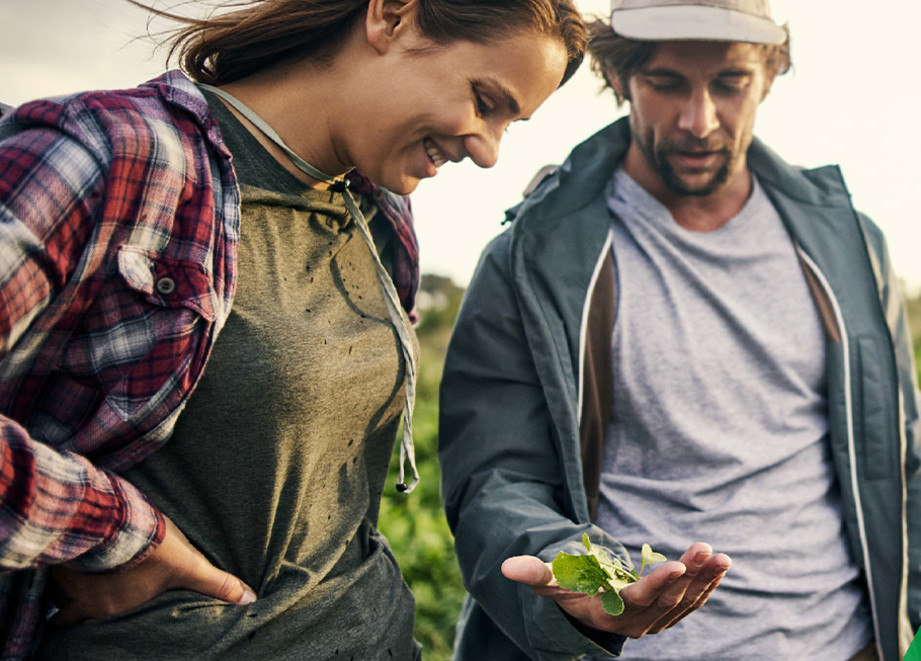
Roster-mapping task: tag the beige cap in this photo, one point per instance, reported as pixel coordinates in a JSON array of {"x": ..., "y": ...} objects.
[{"x": 711, "y": 20}]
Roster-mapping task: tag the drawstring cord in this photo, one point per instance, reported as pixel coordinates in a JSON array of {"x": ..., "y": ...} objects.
[{"x": 407, "y": 448}]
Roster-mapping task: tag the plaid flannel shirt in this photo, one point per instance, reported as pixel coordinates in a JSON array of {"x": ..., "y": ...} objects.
[{"x": 119, "y": 220}]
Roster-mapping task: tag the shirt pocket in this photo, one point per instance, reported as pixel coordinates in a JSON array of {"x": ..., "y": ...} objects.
[
  {"x": 167, "y": 282},
  {"x": 143, "y": 341}
]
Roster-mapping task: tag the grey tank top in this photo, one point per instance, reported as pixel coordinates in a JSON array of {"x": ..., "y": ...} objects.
[
  {"x": 277, "y": 465},
  {"x": 719, "y": 433}
]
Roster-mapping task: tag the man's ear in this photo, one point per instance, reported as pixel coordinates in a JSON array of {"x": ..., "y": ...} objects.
[
  {"x": 387, "y": 20},
  {"x": 623, "y": 91},
  {"x": 768, "y": 82}
]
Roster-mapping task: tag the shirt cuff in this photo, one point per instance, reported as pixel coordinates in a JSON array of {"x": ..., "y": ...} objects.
[
  {"x": 137, "y": 530},
  {"x": 554, "y": 635}
]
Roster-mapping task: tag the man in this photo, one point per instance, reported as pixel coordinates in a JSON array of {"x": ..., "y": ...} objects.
[{"x": 683, "y": 338}]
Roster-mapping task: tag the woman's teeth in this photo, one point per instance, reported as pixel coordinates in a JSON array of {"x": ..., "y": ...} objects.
[{"x": 435, "y": 154}]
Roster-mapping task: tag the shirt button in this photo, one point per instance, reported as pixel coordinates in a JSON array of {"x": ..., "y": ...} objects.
[{"x": 166, "y": 286}]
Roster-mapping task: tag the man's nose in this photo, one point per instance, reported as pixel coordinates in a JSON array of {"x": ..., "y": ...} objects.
[{"x": 698, "y": 116}]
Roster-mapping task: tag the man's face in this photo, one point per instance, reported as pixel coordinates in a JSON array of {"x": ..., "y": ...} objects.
[{"x": 693, "y": 111}]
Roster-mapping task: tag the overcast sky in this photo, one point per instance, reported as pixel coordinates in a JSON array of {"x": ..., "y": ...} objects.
[{"x": 852, "y": 99}]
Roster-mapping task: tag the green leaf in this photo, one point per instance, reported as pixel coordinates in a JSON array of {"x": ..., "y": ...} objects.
[
  {"x": 612, "y": 567},
  {"x": 612, "y": 603},
  {"x": 605, "y": 560},
  {"x": 598, "y": 574},
  {"x": 579, "y": 573},
  {"x": 650, "y": 557}
]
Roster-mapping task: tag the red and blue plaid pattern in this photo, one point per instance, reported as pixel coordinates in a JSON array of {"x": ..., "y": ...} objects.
[
  {"x": 119, "y": 217},
  {"x": 398, "y": 211}
]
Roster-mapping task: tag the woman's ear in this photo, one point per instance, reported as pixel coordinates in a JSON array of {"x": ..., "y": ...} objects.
[{"x": 387, "y": 20}]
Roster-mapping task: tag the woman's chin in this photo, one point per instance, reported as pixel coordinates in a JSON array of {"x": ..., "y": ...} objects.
[{"x": 404, "y": 186}]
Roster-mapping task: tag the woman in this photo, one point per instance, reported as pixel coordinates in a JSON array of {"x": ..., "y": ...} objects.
[{"x": 127, "y": 234}]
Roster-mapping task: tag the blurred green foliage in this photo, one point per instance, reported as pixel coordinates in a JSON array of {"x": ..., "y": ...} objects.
[
  {"x": 415, "y": 524},
  {"x": 914, "y": 322}
]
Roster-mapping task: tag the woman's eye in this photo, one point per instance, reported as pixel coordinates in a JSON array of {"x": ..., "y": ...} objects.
[{"x": 483, "y": 106}]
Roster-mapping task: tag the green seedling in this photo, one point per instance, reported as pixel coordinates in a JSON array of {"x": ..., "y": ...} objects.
[{"x": 597, "y": 574}]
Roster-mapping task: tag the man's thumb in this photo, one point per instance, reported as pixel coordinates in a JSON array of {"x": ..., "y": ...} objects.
[{"x": 529, "y": 570}]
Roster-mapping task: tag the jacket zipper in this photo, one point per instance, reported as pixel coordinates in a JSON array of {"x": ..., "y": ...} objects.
[
  {"x": 851, "y": 451},
  {"x": 583, "y": 325}
]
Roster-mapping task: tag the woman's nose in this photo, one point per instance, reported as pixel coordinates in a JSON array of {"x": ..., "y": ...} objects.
[{"x": 483, "y": 146}]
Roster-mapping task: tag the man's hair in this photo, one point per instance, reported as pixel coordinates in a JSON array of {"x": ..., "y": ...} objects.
[
  {"x": 226, "y": 46},
  {"x": 619, "y": 57}
]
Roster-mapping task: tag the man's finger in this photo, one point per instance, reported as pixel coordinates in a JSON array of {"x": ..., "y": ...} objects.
[
  {"x": 691, "y": 602},
  {"x": 529, "y": 570},
  {"x": 649, "y": 589}
]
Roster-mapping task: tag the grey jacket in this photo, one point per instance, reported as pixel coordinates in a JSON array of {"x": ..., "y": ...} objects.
[{"x": 526, "y": 396}]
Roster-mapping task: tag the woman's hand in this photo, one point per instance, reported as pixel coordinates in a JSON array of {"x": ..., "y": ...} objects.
[
  {"x": 655, "y": 602},
  {"x": 174, "y": 564}
]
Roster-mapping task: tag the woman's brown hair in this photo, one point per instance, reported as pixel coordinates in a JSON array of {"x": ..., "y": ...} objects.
[{"x": 254, "y": 34}]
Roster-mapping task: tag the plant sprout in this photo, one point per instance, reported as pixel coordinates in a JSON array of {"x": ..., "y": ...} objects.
[{"x": 596, "y": 573}]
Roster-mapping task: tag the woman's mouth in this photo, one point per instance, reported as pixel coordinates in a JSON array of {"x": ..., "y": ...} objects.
[{"x": 435, "y": 154}]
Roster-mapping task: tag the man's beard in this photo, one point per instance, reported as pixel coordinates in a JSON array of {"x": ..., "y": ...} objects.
[{"x": 658, "y": 159}]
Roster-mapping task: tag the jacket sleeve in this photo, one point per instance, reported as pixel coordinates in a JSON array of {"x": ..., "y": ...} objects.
[
  {"x": 897, "y": 319},
  {"x": 55, "y": 506},
  {"x": 502, "y": 483}
]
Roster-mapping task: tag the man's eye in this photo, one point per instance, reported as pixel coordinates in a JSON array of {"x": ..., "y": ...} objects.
[
  {"x": 731, "y": 86},
  {"x": 664, "y": 84}
]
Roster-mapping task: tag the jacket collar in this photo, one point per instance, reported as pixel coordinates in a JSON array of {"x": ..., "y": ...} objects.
[
  {"x": 588, "y": 169},
  {"x": 565, "y": 221}
]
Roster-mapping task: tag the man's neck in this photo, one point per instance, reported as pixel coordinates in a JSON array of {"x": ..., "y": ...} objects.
[
  {"x": 696, "y": 213},
  {"x": 710, "y": 212}
]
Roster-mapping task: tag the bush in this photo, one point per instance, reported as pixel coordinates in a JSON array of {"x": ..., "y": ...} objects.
[{"x": 415, "y": 524}]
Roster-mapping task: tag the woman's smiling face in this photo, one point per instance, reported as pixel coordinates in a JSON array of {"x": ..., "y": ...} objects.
[{"x": 440, "y": 103}]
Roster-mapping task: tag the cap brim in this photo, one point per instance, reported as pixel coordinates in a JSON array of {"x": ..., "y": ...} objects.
[{"x": 695, "y": 22}]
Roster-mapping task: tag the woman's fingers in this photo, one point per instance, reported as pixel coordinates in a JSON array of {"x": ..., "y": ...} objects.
[{"x": 175, "y": 564}]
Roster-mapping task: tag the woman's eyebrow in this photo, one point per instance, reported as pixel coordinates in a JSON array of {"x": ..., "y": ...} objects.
[
  {"x": 505, "y": 94},
  {"x": 510, "y": 100}
]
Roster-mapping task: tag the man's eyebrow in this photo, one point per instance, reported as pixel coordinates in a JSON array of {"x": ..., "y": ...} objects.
[
  {"x": 662, "y": 72},
  {"x": 737, "y": 72}
]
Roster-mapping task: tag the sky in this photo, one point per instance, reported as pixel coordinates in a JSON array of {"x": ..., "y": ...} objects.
[{"x": 852, "y": 99}]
